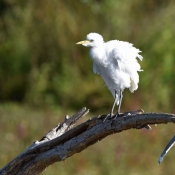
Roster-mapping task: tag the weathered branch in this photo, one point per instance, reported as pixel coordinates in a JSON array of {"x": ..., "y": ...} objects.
[{"x": 62, "y": 141}]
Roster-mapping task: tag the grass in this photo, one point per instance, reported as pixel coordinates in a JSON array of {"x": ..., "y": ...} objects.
[{"x": 131, "y": 152}]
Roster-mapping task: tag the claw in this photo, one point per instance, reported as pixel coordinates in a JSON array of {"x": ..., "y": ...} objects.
[
  {"x": 116, "y": 116},
  {"x": 109, "y": 115},
  {"x": 105, "y": 118}
]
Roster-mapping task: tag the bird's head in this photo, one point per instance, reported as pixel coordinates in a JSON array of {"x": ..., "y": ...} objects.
[{"x": 92, "y": 40}]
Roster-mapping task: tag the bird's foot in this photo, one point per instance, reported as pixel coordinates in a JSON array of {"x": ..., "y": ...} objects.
[
  {"x": 116, "y": 115},
  {"x": 108, "y": 115},
  {"x": 111, "y": 114}
]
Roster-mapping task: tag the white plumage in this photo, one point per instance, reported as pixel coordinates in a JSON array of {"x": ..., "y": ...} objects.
[{"x": 116, "y": 62}]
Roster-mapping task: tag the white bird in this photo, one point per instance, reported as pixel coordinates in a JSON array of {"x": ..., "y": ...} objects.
[{"x": 116, "y": 62}]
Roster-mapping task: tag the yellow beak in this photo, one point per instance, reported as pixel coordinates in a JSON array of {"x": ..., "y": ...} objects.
[{"x": 83, "y": 42}]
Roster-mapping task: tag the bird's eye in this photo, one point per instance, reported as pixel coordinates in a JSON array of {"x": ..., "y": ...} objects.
[{"x": 91, "y": 40}]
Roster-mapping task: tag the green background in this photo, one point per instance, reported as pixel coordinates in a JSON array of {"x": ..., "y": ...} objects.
[{"x": 44, "y": 75}]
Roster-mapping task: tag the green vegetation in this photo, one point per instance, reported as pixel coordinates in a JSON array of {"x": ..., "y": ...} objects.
[{"x": 43, "y": 75}]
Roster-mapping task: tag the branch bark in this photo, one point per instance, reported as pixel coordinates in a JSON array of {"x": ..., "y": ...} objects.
[{"x": 64, "y": 141}]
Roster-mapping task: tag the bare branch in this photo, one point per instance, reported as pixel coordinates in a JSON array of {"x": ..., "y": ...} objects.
[
  {"x": 62, "y": 141},
  {"x": 65, "y": 126}
]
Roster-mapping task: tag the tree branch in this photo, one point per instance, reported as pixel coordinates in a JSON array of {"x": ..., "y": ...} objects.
[{"x": 64, "y": 141}]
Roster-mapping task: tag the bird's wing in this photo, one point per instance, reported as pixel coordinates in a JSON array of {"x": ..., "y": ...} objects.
[
  {"x": 117, "y": 58},
  {"x": 96, "y": 69},
  {"x": 125, "y": 55}
]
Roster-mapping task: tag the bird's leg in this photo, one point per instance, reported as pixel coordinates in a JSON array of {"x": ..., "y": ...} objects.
[
  {"x": 120, "y": 101},
  {"x": 111, "y": 113},
  {"x": 115, "y": 100}
]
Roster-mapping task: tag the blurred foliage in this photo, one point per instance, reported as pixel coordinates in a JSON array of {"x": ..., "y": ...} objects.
[{"x": 41, "y": 67}]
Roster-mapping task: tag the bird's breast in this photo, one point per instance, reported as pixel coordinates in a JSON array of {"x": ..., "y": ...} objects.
[{"x": 98, "y": 55}]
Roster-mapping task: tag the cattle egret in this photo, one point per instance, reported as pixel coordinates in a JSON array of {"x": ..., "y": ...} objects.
[{"x": 116, "y": 62}]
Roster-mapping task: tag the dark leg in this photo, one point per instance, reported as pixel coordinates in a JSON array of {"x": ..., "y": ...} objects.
[
  {"x": 115, "y": 100},
  {"x": 120, "y": 101}
]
